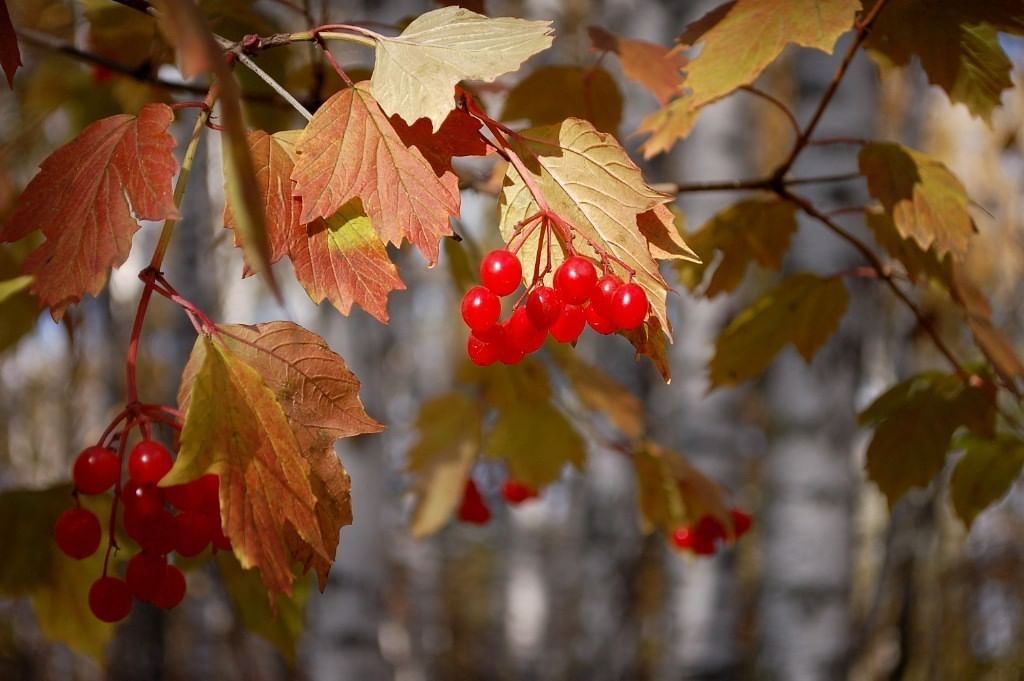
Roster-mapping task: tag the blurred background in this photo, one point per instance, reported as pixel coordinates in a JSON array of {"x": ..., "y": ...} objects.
[{"x": 830, "y": 584}]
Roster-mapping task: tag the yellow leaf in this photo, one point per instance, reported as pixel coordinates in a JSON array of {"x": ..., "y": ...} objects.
[
  {"x": 553, "y": 93},
  {"x": 919, "y": 263},
  {"x": 536, "y": 442},
  {"x": 667, "y": 125}
]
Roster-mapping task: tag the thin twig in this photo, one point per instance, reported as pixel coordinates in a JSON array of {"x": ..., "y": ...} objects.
[
  {"x": 265, "y": 77},
  {"x": 779, "y": 104}
]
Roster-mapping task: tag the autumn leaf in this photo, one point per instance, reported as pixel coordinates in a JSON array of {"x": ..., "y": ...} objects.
[
  {"x": 914, "y": 422},
  {"x": 651, "y": 341},
  {"x": 957, "y": 44},
  {"x": 671, "y": 493},
  {"x": 86, "y": 200},
  {"x": 663, "y": 226},
  {"x": 350, "y": 150},
  {"x": 919, "y": 263},
  {"x": 441, "y": 460},
  {"x": 551, "y": 94},
  {"x": 598, "y": 392},
  {"x": 804, "y": 310},
  {"x": 535, "y": 441},
  {"x": 993, "y": 342},
  {"x": 753, "y": 230},
  {"x": 587, "y": 178},
  {"x": 657, "y": 68},
  {"x": 926, "y": 201},
  {"x": 17, "y": 307},
  {"x": 985, "y": 473},
  {"x": 739, "y": 39},
  {"x": 459, "y": 135},
  {"x": 666, "y": 126},
  {"x": 416, "y": 72},
  {"x": 10, "y": 56}
]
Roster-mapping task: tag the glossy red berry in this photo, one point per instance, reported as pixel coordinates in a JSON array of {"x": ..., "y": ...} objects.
[
  {"x": 575, "y": 279},
  {"x": 148, "y": 462},
  {"x": 201, "y": 494},
  {"x": 682, "y": 538},
  {"x": 741, "y": 521},
  {"x": 473, "y": 508},
  {"x": 171, "y": 590},
  {"x": 601, "y": 298},
  {"x": 501, "y": 272},
  {"x": 515, "y": 492},
  {"x": 629, "y": 306},
  {"x": 110, "y": 599},
  {"x": 521, "y": 334},
  {"x": 144, "y": 574},
  {"x": 154, "y": 532},
  {"x": 597, "y": 322},
  {"x": 543, "y": 307},
  {"x": 480, "y": 352},
  {"x": 95, "y": 470},
  {"x": 509, "y": 354},
  {"x": 77, "y": 533},
  {"x": 570, "y": 324},
  {"x": 142, "y": 500},
  {"x": 708, "y": 531},
  {"x": 193, "y": 531},
  {"x": 480, "y": 308}
]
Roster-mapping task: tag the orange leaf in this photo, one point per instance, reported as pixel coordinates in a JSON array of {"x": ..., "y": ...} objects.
[
  {"x": 459, "y": 135},
  {"x": 657, "y": 68},
  {"x": 86, "y": 199},
  {"x": 10, "y": 57},
  {"x": 350, "y": 150}
]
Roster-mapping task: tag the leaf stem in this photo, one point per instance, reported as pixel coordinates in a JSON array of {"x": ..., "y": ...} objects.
[{"x": 778, "y": 103}]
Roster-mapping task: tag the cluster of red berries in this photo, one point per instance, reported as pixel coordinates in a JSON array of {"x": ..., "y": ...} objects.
[
  {"x": 578, "y": 298},
  {"x": 474, "y": 510},
  {"x": 704, "y": 537},
  {"x": 147, "y": 520}
]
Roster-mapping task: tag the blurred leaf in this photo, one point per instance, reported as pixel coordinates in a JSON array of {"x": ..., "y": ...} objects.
[
  {"x": 672, "y": 493},
  {"x": 18, "y": 309},
  {"x": 55, "y": 17},
  {"x": 667, "y": 125},
  {"x": 281, "y": 624},
  {"x": 12, "y": 287},
  {"x": 926, "y": 201},
  {"x": 535, "y": 441},
  {"x": 985, "y": 473},
  {"x": 27, "y": 518},
  {"x": 124, "y": 35},
  {"x": 449, "y": 428},
  {"x": 652, "y": 342},
  {"x": 804, "y": 310},
  {"x": 752, "y": 230},
  {"x": 914, "y": 422},
  {"x": 956, "y": 43},
  {"x": 551, "y": 94},
  {"x": 597, "y": 391},
  {"x": 503, "y": 386},
  {"x": 920, "y": 264},
  {"x": 657, "y": 68},
  {"x": 10, "y": 56},
  {"x": 993, "y": 342},
  {"x": 464, "y": 271}
]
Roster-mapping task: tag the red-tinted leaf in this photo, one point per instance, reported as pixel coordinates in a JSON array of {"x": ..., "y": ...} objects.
[
  {"x": 350, "y": 150},
  {"x": 657, "y": 68},
  {"x": 459, "y": 135},
  {"x": 86, "y": 199},
  {"x": 10, "y": 57}
]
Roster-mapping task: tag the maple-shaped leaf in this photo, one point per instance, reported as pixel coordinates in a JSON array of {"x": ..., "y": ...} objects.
[
  {"x": 587, "y": 178},
  {"x": 753, "y": 230},
  {"x": 926, "y": 201},
  {"x": 957, "y": 44},
  {"x": 667, "y": 125},
  {"x": 985, "y": 473},
  {"x": 10, "y": 56},
  {"x": 416, "y": 72},
  {"x": 599, "y": 392},
  {"x": 657, "y": 68},
  {"x": 440, "y": 461},
  {"x": 739, "y": 39},
  {"x": 914, "y": 422},
  {"x": 919, "y": 263},
  {"x": 993, "y": 342},
  {"x": 350, "y": 150},
  {"x": 804, "y": 310},
  {"x": 459, "y": 135},
  {"x": 671, "y": 493},
  {"x": 535, "y": 441},
  {"x": 86, "y": 201},
  {"x": 551, "y": 94}
]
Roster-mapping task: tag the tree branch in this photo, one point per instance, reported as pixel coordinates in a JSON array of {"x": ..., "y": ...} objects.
[{"x": 777, "y": 103}]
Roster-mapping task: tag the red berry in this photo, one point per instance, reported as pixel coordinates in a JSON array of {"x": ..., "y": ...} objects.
[
  {"x": 77, "y": 533},
  {"x": 521, "y": 334},
  {"x": 144, "y": 574},
  {"x": 544, "y": 307},
  {"x": 201, "y": 494},
  {"x": 741, "y": 521},
  {"x": 629, "y": 306},
  {"x": 149, "y": 462},
  {"x": 501, "y": 272},
  {"x": 480, "y": 352},
  {"x": 110, "y": 599},
  {"x": 473, "y": 509},
  {"x": 599, "y": 323},
  {"x": 683, "y": 538},
  {"x": 221, "y": 542},
  {"x": 154, "y": 533},
  {"x": 171, "y": 590},
  {"x": 702, "y": 546},
  {"x": 575, "y": 279},
  {"x": 570, "y": 324},
  {"x": 516, "y": 492},
  {"x": 193, "y": 531},
  {"x": 708, "y": 530},
  {"x": 601, "y": 298},
  {"x": 95, "y": 470},
  {"x": 494, "y": 335},
  {"x": 509, "y": 354},
  {"x": 480, "y": 308},
  {"x": 142, "y": 500}
]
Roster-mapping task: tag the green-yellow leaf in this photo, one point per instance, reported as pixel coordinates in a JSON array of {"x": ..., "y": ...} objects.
[
  {"x": 993, "y": 342},
  {"x": 804, "y": 310},
  {"x": 536, "y": 442},
  {"x": 553, "y": 93},
  {"x": 985, "y": 473},
  {"x": 919, "y": 263},
  {"x": 926, "y": 201},
  {"x": 667, "y": 125},
  {"x": 671, "y": 493},
  {"x": 416, "y": 72}
]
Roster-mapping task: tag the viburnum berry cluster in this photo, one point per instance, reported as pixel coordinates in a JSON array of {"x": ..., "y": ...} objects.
[
  {"x": 708, "y": 534},
  {"x": 473, "y": 508},
  {"x": 577, "y": 298},
  {"x": 181, "y": 519}
]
